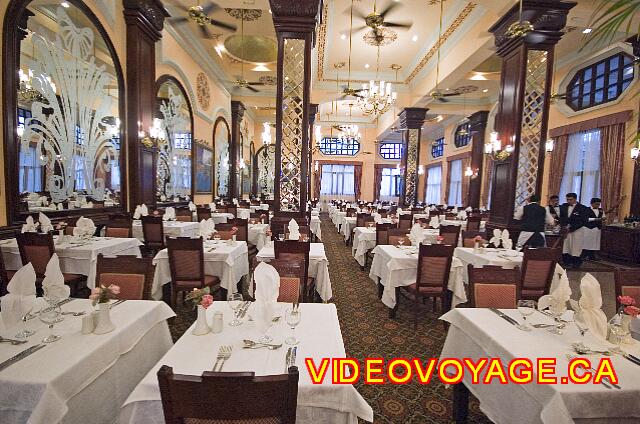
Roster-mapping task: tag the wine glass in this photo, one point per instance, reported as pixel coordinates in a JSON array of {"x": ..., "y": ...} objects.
[
  {"x": 293, "y": 317},
  {"x": 25, "y": 331},
  {"x": 235, "y": 300},
  {"x": 50, "y": 315},
  {"x": 581, "y": 325},
  {"x": 557, "y": 309},
  {"x": 526, "y": 308},
  {"x": 281, "y": 237},
  {"x": 400, "y": 242}
]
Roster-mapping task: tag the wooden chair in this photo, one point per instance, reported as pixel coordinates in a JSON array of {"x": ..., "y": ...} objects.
[
  {"x": 361, "y": 219},
  {"x": 538, "y": 267},
  {"x": 203, "y": 213},
  {"x": 394, "y": 236},
  {"x": 451, "y": 234},
  {"x": 297, "y": 251},
  {"x": 627, "y": 284},
  {"x": 5, "y": 276},
  {"x": 405, "y": 221},
  {"x": 473, "y": 223},
  {"x": 119, "y": 225},
  {"x": 133, "y": 275},
  {"x": 291, "y": 271},
  {"x": 186, "y": 261},
  {"x": 240, "y": 397},
  {"x": 220, "y": 208},
  {"x": 258, "y": 216},
  {"x": 468, "y": 237},
  {"x": 351, "y": 212},
  {"x": 233, "y": 209},
  {"x": 153, "y": 232},
  {"x": 493, "y": 287},
  {"x": 434, "y": 266},
  {"x": 184, "y": 215},
  {"x": 38, "y": 249},
  {"x": 224, "y": 230}
]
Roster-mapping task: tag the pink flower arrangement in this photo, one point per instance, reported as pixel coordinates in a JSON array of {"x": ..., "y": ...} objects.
[
  {"x": 633, "y": 311},
  {"x": 477, "y": 239},
  {"x": 200, "y": 297},
  {"x": 207, "y": 300},
  {"x": 103, "y": 294},
  {"x": 440, "y": 239},
  {"x": 234, "y": 231},
  {"x": 626, "y": 300}
]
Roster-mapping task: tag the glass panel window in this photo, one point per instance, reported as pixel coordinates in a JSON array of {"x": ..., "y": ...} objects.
[
  {"x": 434, "y": 184},
  {"x": 582, "y": 167},
  {"x": 463, "y": 135},
  {"x": 390, "y": 183},
  {"x": 391, "y": 151},
  {"x": 30, "y": 171},
  {"x": 588, "y": 87},
  {"x": 437, "y": 148},
  {"x": 337, "y": 180},
  {"x": 455, "y": 183},
  {"x": 335, "y": 146}
]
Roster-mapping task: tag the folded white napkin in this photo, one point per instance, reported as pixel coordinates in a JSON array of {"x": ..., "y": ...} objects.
[
  {"x": 176, "y": 198},
  {"x": 53, "y": 283},
  {"x": 399, "y": 211},
  {"x": 433, "y": 208},
  {"x": 141, "y": 210},
  {"x": 60, "y": 206},
  {"x": 455, "y": 209},
  {"x": 462, "y": 215},
  {"x": 496, "y": 240},
  {"x": 559, "y": 294},
  {"x": 45, "y": 223},
  {"x": 33, "y": 196},
  {"x": 89, "y": 205},
  {"x": 192, "y": 207},
  {"x": 235, "y": 201},
  {"x": 434, "y": 222},
  {"x": 169, "y": 214},
  {"x": 294, "y": 230},
  {"x": 589, "y": 308},
  {"x": 30, "y": 226},
  {"x": 21, "y": 297},
  {"x": 469, "y": 209},
  {"x": 416, "y": 235},
  {"x": 377, "y": 218},
  {"x": 84, "y": 227},
  {"x": 43, "y": 200},
  {"x": 267, "y": 282},
  {"x": 507, "y": 243},
  {"x": 206, "y": 228}
]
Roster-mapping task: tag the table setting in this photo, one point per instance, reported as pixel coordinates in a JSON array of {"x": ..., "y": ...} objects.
[
  {"x": 258, "y": 235},
  {"x": 315, "y": 227},
  {"x": 171, "y": 229}
]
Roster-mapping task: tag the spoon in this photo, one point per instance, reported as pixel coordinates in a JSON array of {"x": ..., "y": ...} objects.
[
  {"x": 12, "y": 341},
  {"x": 270, "y": 347},
  {"x": 558, "y": 326},
  {"x": 75, "y": 314},
  {"x": 250, "y": 344},
  {"x": 584, "y": 350}
]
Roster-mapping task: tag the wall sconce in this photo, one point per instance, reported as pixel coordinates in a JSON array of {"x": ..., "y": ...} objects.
[
  {"x": 635, "y": 153},
  {"x": 266, "y": 134},
  {"x": 494, "y": 147},
  {"x": 549, "y": 145},
  {"x": 316, "y": 167},
  {"x": 155, "y": 136},
  {"x": 20, "y": 132},
  {"x": 471, "y": 173},
  {"x": 420, "y": 170}
]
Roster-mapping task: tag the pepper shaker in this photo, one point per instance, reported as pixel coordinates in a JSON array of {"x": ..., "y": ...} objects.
[{"x": 217, "y": 325}]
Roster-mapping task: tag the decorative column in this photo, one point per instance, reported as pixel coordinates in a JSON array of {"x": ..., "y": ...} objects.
[
  {"x": 237, "y": 113},
  {"x": 313, "y": 111},
  {"x": 523, "y": 108},
  {"x": 144, "y": 20},
  {"x": 635, "y": 186},
  {"x": 295, "y": 22},
  {"x": 478, "y": 126},
  {"x": 411, "y": 119}
]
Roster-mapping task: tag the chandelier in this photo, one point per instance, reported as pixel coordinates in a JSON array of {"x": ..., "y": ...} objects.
[
  {"x": 377, "y": 97},
  {"x": 348, "y": 133},
  {"x": 494, "y": 147},
  {"x": 26, "y": 90}
]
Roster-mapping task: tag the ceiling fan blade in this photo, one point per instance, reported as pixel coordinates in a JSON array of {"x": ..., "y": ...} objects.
[
  {"x": 443, "y": 100},
  {"x": 255, "y": 90},
  {"x": 210, "y": 7},
  {"x": 256, "y": 83},
  {"x": 388, "y": 9},
  {"x": 221, "y": 24},
  {"x": 360, "y": 28},
  {"x": 204, "y": 31},
  {"x": 356, "y": 13},
  {"x": 398, "y": 25},
  {"x": 178, "y": 20}
]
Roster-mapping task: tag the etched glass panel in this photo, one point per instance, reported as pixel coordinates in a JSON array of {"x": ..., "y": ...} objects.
[
  {"x": 221, "y": 141},
  {"x": 266, "y": 158},
  {"x": 292, "y": 124},
  {"x": 68, "y": 113}
]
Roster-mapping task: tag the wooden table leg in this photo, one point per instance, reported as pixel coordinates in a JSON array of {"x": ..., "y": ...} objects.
[{"x": 460, "y": 403}]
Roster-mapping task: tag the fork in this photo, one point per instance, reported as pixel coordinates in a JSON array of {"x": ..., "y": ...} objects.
[
  {"x": 608, "y": 384},
  {"x": 225, "y": 351}
]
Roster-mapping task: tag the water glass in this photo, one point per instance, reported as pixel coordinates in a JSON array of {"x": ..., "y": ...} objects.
[
  {"x": 50, "y": 315},
  {"x": 25, "y": 331},
  {"x": 293, "y": 317},
  {"x": 526, "y": 308},
  {"x": 235, "y": 300}
]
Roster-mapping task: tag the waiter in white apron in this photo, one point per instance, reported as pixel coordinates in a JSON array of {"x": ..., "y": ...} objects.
[
  {"x": 593, "y": 230},
  {"x": 573, "y": 216},
  {"x": 533, "y": 218}
]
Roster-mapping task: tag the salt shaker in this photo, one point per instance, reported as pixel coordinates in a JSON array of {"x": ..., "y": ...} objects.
[
  {"x": 88, "y": 324},
  {"x": 216, "y": 326}
]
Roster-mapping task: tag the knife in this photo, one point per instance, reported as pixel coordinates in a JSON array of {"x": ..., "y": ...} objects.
[
  {"x": 20, "y": 356},
  {"x": 504, "y": 316},
  {"x": 116, "y": 303},
  {"x": 631, "y": 358},
  {"x": 287, "y": 360}
]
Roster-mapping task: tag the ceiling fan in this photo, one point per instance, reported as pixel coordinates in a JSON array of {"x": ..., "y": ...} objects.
[
  {"x": 200, "y": 15},
  {"x": 346, "y": 90},
  {"x": 240, "y": 82},
  {"x": 377, "y": 19}
]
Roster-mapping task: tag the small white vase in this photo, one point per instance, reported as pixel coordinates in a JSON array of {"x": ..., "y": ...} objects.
[
  {"x": 476, "y": 247},
  {"x": 104, "y": 324},
  {"x": 202, "y": 327}
]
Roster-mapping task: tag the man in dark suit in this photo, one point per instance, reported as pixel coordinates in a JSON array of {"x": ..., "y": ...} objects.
[
  {"x": 573, "y": 216},
  {"x": 593, "y": 230},
  {"x": 533, "y": 218}
]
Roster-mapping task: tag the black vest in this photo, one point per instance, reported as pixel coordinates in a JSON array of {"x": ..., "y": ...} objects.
[{"x": 533, "y": 218}]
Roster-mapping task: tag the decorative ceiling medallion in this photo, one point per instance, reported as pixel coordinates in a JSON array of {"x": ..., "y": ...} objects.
[
  {"x": 252, "y": 48},
  {"x": 246, "y": 15},
  {"x": 380, "y": 37},
  {"x": 464, "y": 89},
  {"x": 268, "y": 80},
  {"x": 202, "y": 91}
]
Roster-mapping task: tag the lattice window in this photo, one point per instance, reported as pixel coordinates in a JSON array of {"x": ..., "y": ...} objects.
[
  {"x": 391, "y": 151},
  {"x": 462, "y": 135},
  {"x": 339, "y": 147},
  {"x": 437, "y": 148}
]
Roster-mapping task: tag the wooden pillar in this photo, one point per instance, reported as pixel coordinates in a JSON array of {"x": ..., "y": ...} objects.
[
  {"x": 313, "y": 111},
  {"x": 477, "y": 128},
  {"x": 144, "y": 22},
  {"x": 237, "y": 113},
  {"x": 411, "y": 119},
  {"x": 295, "y": 23},
  {"x": 523, "y": 107},
  {"x": 635, "y": 186}
]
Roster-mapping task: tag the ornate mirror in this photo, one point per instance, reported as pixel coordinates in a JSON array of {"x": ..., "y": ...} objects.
[
  {"x": 264, "y": 167},
  {"x": 62, "y": 112},
  {"x": 221, "y": 138},
  {"x": 174, "y": 166}
]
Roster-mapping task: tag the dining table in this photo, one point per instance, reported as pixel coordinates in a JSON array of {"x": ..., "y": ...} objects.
[
  {"x": 315, "y": 227},
  {"x": 318, "y": 267},
  {"x": 319, "y": 337},
  {"x": 364, "y": 239},
  {"x": 81, "y": 378},
  {"x": 461, "y": 223},
  {"x": 225, "y": 259},
  {"x": 347, "y": 224},
  {"x": 77, "y": 255},
  {"x": 394, "y": 266},
  {"x": 171, "y": 229},
  {"x": 258, "y": 235},
  {"x": 476, "y": 333},
  {"x": 257, "y": 208}
]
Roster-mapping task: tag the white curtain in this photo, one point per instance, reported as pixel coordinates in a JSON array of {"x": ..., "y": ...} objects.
[
  {"x": 390, "y": 184},
  {"x": 455, "y": 183},
  {"x": 337, "y": 180},
  {"x": 582, "y": 166},
  {"x": 434, "y": 184},
  {"x": 30, "y": 172}
]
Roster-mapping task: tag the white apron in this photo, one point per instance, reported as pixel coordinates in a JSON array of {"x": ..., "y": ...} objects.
[
  {"x": 573, "y": 244},
  {"x": 591, "y": 239}
]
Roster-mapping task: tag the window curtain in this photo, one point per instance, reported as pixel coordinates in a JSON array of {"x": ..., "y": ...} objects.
[
  {"x": 582, "y": 166},
  {"x": 377, "y": 183},
  {"x": 316, "y": 183},
  {"x": 337, "y": 180},
  {"x": 612, "y": 143},
  {"x": 466, "y": 162},
  {"x": 558, "y": 158},
  {"x": 454, "y": 183},
  {"x": 486, "y": 184},
  {"x": 357, "y": 178},
  {"x": 434, "y": 185}
]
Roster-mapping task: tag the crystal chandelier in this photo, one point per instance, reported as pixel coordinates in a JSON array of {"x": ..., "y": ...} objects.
[
  {"x": 26, "y": 90},
  {"x": 377, "y": 97},
  {"x": 349, "y": 133}
]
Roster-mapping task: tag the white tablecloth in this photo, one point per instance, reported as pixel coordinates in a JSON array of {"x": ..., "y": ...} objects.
[
  {"x": 315, "y": 227},
  {"x": 229, "y": 263},
  {"x": 221, "y": 218},
  {"x": 77, "y": 258},
  {"x": 83, "y": 378},
  {"x": 171, "y": 229},
  {"x": 461, "y": 224},
  {"x": 347, "y": 225},
  {"x": 364, "y": 239},
  {"x": 262, "y": 207},
  {"x": 397, "y": 267},
  {"x": 336, "y": 218},
  {"x": 257, "y": 235},
  {"x": 320, "y": 337},
  {"x": 479, "y": 333},
  {"x": 318, "y": 267}
]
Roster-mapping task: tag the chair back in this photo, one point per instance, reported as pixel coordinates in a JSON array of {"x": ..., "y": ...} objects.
[
  {"x": 243, "y": 228},
  {"x": 289, "y": 250},
  {"x": 241, "y": 397},
  {"x": 186, "y": 259},
  {"x": 627, "y": 284},
  {"x": 291, "y": 271},
  {"x": 451, "y": 234},
  {"x": 405, "y": 221},
  {"x": 224, "y": 230},
  {"x": 36, "y": 248},
  {"x": 258, "y": 215},
  {"x": 382, "y": 233},
  {"x": 153, "y": 230},
  {"x": 473, "y": 223},
  {"x": 434, "y": 265},
  {"x": 361, "y": 219},
  {"x": 351, "y": 212},
  {"x": 133, "y": 275},
  {"x": 184, "y": 215},
  {"x": 396, "y": 234},
  {"x": 221, "y": 208},
  {"x": 538, "y": 266},
  {"x": 493, "y": 287},
  {"x": 468, "y": 237},
  {"x": 232, "y": 209},
  {"x": 117, "y": 232},
  {"x": 203, "y": 213},
  {"x": 4, "y": 277}
]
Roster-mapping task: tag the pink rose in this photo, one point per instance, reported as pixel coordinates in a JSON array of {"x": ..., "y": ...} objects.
[
  {"x": 114, "y": 289},
  {"x": 94, "y": 296},
  {"x": 207, "y": 300},
  {"x": 634, "y": 311},
  {"x": 626, "y": 300}
]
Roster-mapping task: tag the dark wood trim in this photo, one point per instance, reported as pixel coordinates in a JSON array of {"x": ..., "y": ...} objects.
[
  {"x": 339, "y": 162},
  {"x": 477, "y": 128},
  {"x": 170, "y": 78},
  {"x": 16, "y": 17},
  {"x": 411, "y": 118},
  {"x": 235, "y": 146},
  {"x": 219, "y": 120},
  {"x": 458, "y": 156}
]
